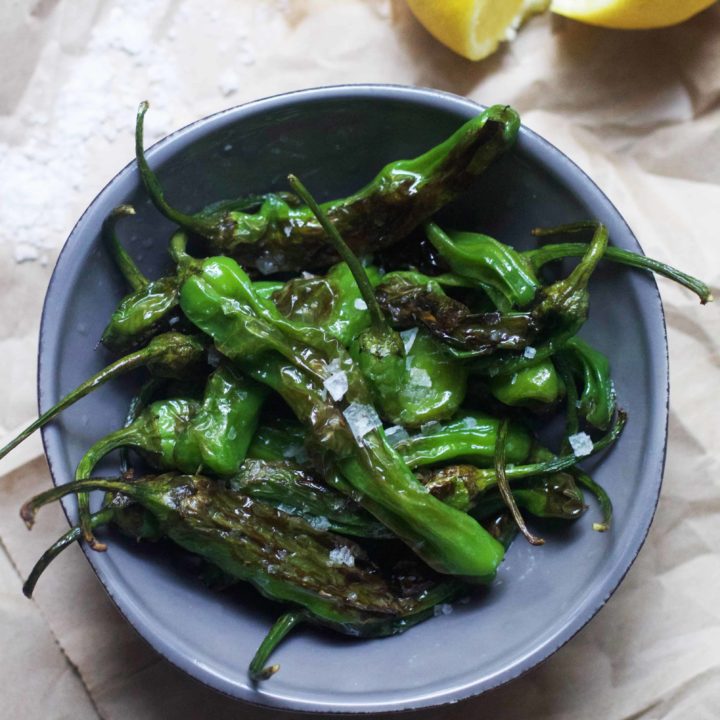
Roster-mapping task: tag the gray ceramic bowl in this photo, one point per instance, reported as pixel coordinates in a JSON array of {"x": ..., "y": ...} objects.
[{"x": 336, "y": 139}]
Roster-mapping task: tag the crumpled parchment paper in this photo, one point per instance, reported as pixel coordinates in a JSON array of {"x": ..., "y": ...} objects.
[{"x": 638, "y": 111}]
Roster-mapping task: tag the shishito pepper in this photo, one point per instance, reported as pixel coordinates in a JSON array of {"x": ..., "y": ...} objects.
[
  {"x": 498, "y": 268},
  {"x": 462, "y": 485},
  {"x": 179, "y": 434},
  {"x": 469, "y": 437},
  {"x": 559, "y": 311},
  {"x": 404, "y": 194},
  {"x": 329, "y": 577},
  {"x": 295, "y": 360}
]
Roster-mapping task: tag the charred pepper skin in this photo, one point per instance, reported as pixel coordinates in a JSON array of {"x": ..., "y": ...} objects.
[
  {"x": 403, "y": 195},
  {"x": 412, "y": 299}
]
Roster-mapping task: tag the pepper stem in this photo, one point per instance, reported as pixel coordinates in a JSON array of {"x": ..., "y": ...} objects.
[
  {"x": 580, "y": 275},
  {"x": 504, "y": 485},
  {"x": 152, "y": 184},
  {"x": 99, "y": 518},
  {"x": 127, "y": 266},
  {"x": 30, "y": 508},
  {"x": 258, "y": 670},
  {"x": 347, "y": 255},
  {"x": 600, "y": 494},
  {"x": 120, "y": 438},
  {"x": 547, "y": 253},
  {"x": 123, "y": 365}
]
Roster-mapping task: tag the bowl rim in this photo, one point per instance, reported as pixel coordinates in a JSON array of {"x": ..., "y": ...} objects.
[{"x": 558, "y": 165}]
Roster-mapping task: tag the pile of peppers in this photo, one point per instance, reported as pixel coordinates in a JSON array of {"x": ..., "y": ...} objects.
[{"x": 343, "y": 400}]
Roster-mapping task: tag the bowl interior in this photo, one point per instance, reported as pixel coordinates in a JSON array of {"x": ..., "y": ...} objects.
[{"x": 336, "y": 139}]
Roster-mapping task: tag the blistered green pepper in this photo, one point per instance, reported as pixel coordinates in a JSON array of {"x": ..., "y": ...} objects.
[
  {"x": 281, "y": 236},
  {"x": 496, "y": 267},
  {"x": 462, "y": 485},
  {"x": 559, "y": 310},
  {"x": 280, "y": 439},
  {"x": 469, "y": 437}
]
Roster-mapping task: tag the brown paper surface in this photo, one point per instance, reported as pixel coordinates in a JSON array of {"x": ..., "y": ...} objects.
[{"x": 638, "y": 111}]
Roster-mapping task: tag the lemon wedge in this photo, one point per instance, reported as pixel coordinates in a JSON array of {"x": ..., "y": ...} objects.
[
  {"x": 474, "y": 28},
  {"x": 630, "y": 14}
]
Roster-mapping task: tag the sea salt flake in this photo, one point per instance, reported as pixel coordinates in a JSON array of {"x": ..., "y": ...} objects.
[
  {"x": 361, "y": 419},
  {"x": 396, "y": 434},
  {"x": 581, "y": 444},
  {"x": 336, "y": 385},
  {"x": 341, "y": 556},
  {"x": 334, "y": 366},
  {"x": 529, "y": 352},
  {"x": 360, "y": 304},
  {"x": 469, "y": 422},
  {"x": 320, "y": 522},
  {"x": 408, "y": 338},
  {"x": 420, "y": 377},
  {"x": 442, "y": 609}
]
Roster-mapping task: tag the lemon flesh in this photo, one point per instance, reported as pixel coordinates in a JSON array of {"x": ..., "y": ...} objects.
[
  {"x": 630, "y": 14},
  {"x": 474, "y": 28}
]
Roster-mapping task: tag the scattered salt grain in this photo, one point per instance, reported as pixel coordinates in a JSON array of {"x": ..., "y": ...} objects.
[
  {"x": 529, "y": 352},
  {"x": 396, "y": 434},
  {"x": 420, "y": 377},
  {"x": 360, "y": 304},
  {"x": 361, "y": 419},
  {"x": 341, "y": 556},
  {"x": 469, "y": 422},
  {"x": 336, "y": 385},
  {"x": 307, "y": 275},
  {"x": 581, "y": 444},
  {"x": 442, "y": 609},
  {"x": 408, "y": 338},
  {"x": 228, "y": 83}
]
